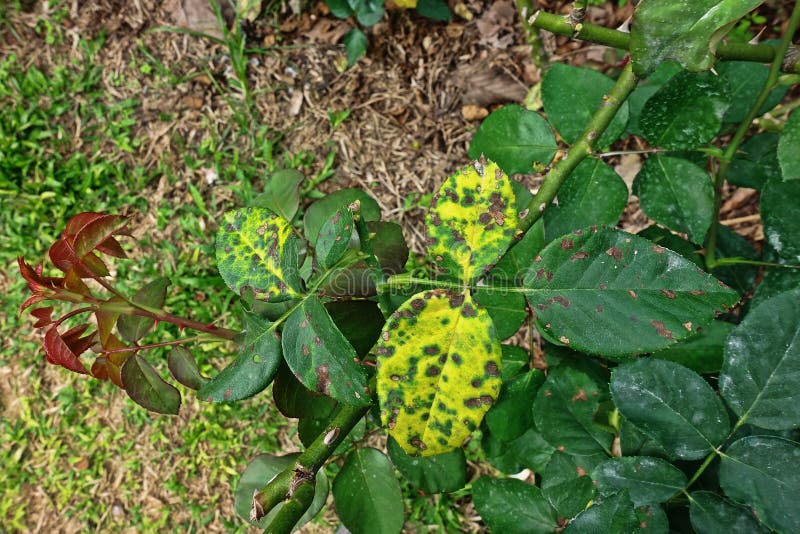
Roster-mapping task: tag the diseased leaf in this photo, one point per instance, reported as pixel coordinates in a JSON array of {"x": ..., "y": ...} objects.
[
  {"x": 183, "y": 368},
  {"x": 471, "y": 222},
  {"x": 293, "y": 399},
  {"x": 612, "y": 514},
  {"x": 648, "y": 480},
  {"x": 701, "y": 353},
  {"x": 253, "y": 368},
  {"x": 778, "y": 210},
  {"x": 788, "y": 151},
  {"x": 760, "y": 379},
  {"x": 257, "y": 250},
  {"x": 432, "y": 474},
  {"x": 676, "y": 193},
  {"x": 687, "y": 31},
  {"x": 143, "y": 384},
  {"x": 511, "y": 415},
  {"x": 652, "y": 520},
  {"x": 686, "y": 112},
  {"x": 367, "y": 494},
  {"x": 712, "y": 514},
  {"x": 132, "y": 328},
  {"x": 672, "y": 404},
  {"x": 281, "y": 193},
  {"x": 511, "y": 506},
  {"x": 571, "y": 95},
  {"x": 321, "y": 357},
  {"x": 608, "y": 292},
  {"x": 324, "y": 208},
  {"x": 438, "y": 371},
  {"x": 334, "y": 237},
  {"x": 566, "y": 483},
  {"x": 761, "y": 471},
  {"x": 517, "y": 139}
]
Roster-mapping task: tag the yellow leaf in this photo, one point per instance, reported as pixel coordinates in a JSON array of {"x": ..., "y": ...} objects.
[{"x": 406, "y": 4}]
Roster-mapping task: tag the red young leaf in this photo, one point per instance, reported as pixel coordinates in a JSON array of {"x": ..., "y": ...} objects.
[
  {"x": 74, "y": 283},
  {"x": 59, "y": 352},
  {"x": 105, "y": 324},
  {"x": 43, "y": 316},
  {"x": 100, "y": 369},
  {"x": 33, "y": 276},
  {"x": 96, "y": 231},
  {"x": 111, "y": 247}
]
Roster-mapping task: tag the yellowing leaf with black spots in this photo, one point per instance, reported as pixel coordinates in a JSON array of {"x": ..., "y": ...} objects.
[
  {"x": 257, "y": 250},
  {"x": 472, "y": 220},
  {"x": 438, "y": 371}
]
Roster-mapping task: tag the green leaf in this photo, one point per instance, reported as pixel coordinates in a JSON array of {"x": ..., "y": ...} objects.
[
  {"x": 676, "y": 193},
  {"x": 367, "y": 494},
  {"x": 652, "y": 519},
  {"x": 746, "y": 79},
  {"x": 321, "y": 357},
  {"x": 648, "y": 480},
  {"x": 360, "y": 321},
  {"x": 263, "y": 468},
  {"x": 519, "y": 140},
  {"x": 634, "y": 442},
  {"x": 778, "y": 210},
  {"x": 143, "y": 384},
  {"x": 647, "y": 88},
  {"x": 471, "y": 221},
  {"x": 566, "y": 483},
  {"x": 712, "y": 514},
  {"x": 608, "y": 292},
  {"x": 508, "y": 310},
  {"x": 132, "y": 328},
  {"x": 355, "y": 44},
  {"x": 672, "y": 404},
  {"x": 664, "y": 238},
  {"x": 183, "y": 368},
  {"x": 775, "y": 281},
  {"x": 324, "y": 208},
  {"x": 529, "y": 451},
  {"x": 761, "y": 471},
  {"x": 368, "y": 12},
  {"x": 281, "y": 193},
  {"x": 432, "y": 474},
  {"x": 686, "y": 112},
  {"x": 755, "y": 161},
  {"x": 340, "y": 8},
  {"x": 687, "y": 31},
  {"x": 511, "y": 415},
  {"x": 434, "y": 9},
  {"x": 612, "y": 514},
  {"x": 701, "y": 353},
  {"x": 257, "y": 250},
  {"x": 334, "y": 237},
  {"x": 740, "y": 277},
  {"x": 511, "y": 506},
  {"x": 438, "y": 371},
  {"x": 515, "y": 360},
  {"x": 515, "y": 262},
  {"x": 760, "y": 378},
  {"x": 571, "y": 95},
  {"x": 253, "y": 368},
  {"x": 788, "y": 154},
  {"x": 564, "y": 413},
  {"x": 592, "y": 194},
  {"x": 293, "y": 399}
]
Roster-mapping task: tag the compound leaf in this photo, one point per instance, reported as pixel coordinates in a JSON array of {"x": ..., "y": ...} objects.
[
  {"x": 438, "y": 371},
  {"x": 648, "y": 480},
  {"x": 472, "y": 221},
  {"x": 257, "y": 250},
  {"x": 512, "y": 506}
]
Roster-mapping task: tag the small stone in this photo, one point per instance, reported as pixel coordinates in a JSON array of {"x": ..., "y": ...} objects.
[{"x": 474, "y": 113}]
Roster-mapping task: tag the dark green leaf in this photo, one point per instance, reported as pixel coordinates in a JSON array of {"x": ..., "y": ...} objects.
[
  {"x": 676, "y": 193},
  {"x": 645, "y": 90},
  {"x": 755, "y": 161},
  {"x": 566, "y": 483},
  {"x": 334, "y": 237},
  {"x": 529, "y": 451},
  {"x": 281, "y": 193},
  {"x": 571, "y": 95},
  {"x": 564, "y": 413},
  {"x": 324, "y": 208},
  {"x": 260, "y": 470},
  {"x": 515, "y": 262},
  {"x": 340, "y": 8},
  {"x": 321, "y": 357},
  {"x": 612, "y": 514},
  {"x": 516, "y": 139},
  {"x": 634, "y": 442},
  {"x": 648, "y": 480},
  {"x": 132, "y": 328},
  {"x": 369, "y": 12},
  {"x": 652, "y": 520},
  {"x": 355, "y": 44},
  {"x": 664, "y": 238},
  {"x": 779, "y": 214},
  {"x": 701, "y": 353},
  {"x": 143, "y": 384},
  {"x": 740, "y": 277},
  {"x": 592, "y": 194},
  {"x": 608, "y": 292},
  {"x": 788, "y": 152},
  {"x": 183, "y": 368},
  {"x": 508, "y": 310},
  {"x": 359, "y": 320},
  {"x": 434, "y": 9},
  {"x": 686, "y": 112},
  {"x": 253, "y": 368},
  {"x": 761, "y": 471},
  {"x": 776, "y": 280},
  {"x": 293, "y": 399},
  {"x": 511, "y": 415},
  {"x": 511, "y": 506},
  {"x": 367, "y": 494},
  {"x": 712, "y": 514},
  {"x": 687, "y": 31},
  {"x": 432, "y": 474},
  {"x": 760, "y": 378},
  {"x": 672, "y": 404},
  {"x": 746, "y": 79},
  {"x": 515, "y": 360}
]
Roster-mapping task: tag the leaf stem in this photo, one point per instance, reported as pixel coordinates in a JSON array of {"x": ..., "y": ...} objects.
[
  {"x": 741, "y": 131},
  {"x": 154, "y": 345},
  {"x": 293, "y": 509},
  {"x": 374, "y": 268},
  {"x": 534, "y": 40}
]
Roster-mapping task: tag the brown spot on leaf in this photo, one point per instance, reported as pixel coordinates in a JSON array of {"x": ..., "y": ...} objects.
[
  {"x": 305, "y": 350},
  {"x": 697, "y": 292},
  {"x": 431, "y": 350},
  {"x": 485, "y": 218},
  {"x": 580, "y": 396},
  {"x": 581, "y": 472},
  {"x": 492, "y": 369},
  {"x": 468, "y": 311},
  {"x": 433, "y": 371},
  {"x": 487, "y": 400},
  {"x": 579, "y": 256},
  {"x": 417, "y": 304},
  {"x": 632, "y": 293},
  {"x": 688, "y": 326},
  {"x": 561, "y": 300},
  {"x": 599, "y": 308},
  {"x": 566, "y": 244},
  {"x": 472, "y": 403},
  {"x": 615, "y": 253},
  {"x": 323, "y": 379},
  {"x": 667, "y": 293},
  {"x": 456, "y": 300},
  {"x": 564, "y": 340},
  {"x": 661, "y": 329},
  {"x": 658, "y": 250}
]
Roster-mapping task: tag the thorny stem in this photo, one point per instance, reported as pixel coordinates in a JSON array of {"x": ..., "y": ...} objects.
[
  {"x": 741, "y": 131},
  {"x": 578, "y": 12},
  {"x": 293, "y": 509},
  {"x": 560, "y": 25},
  {"x": 538, "y": 52},
  {"x": 582, "y": 148}
]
